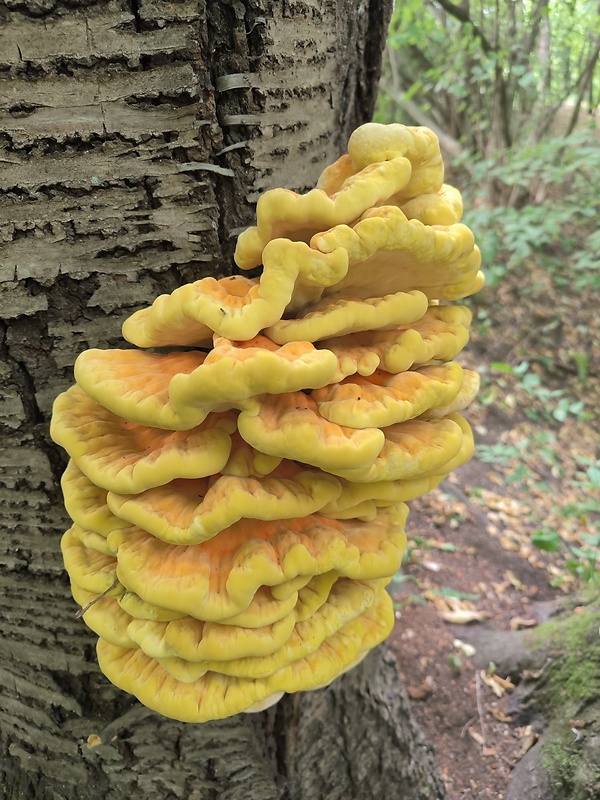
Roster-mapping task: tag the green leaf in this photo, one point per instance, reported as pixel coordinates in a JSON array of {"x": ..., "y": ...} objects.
[
  {"x": 549, "y": 541},
  {"x": 447, "y": 547}
]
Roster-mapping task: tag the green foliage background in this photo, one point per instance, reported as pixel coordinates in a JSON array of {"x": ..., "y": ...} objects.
[{"x": 512, "y": 89}]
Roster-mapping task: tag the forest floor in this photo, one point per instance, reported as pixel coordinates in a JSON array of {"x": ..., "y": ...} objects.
[{"x": 471, "y": 565}]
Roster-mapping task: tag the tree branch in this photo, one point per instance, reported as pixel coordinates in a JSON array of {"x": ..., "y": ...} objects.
[
  {"x": 461, "y": 13},
  {"x": 585, "y": 79}
]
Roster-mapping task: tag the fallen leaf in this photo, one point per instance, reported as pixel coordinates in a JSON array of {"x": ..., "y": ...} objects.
[
  {"x": 508, "y": 544},
  {"x": 506, "y": 683},
  {"x": 93, "y": 740},
  {"x": 489, "y": 751},
  {"x": 438, "y": 601},
  {"x": 579, "y": 723},
  {"x": 498, "y": 715},
  {"x": 466, "y": 649},
  {"x": 512, "y": 579},
  {"x": 463, "y": 616},
  {"x": 432, "y": 566},
  {"x": 517, "y": 623},
  {"x": 492, "y": 684},
  {"x": 477, "y": 737},
  {"x": 497, "y": 684},
  {"x": 422, "y": 691},
  {"x": 500, "y": 588},
  {"x": 528, "y": 738}
]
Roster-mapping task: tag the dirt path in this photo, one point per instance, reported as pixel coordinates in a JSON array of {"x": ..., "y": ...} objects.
[{"x": 462, "y": 715}]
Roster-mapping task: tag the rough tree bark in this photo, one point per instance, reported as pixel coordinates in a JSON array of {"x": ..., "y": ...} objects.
[{"x": 135, "y": 137}]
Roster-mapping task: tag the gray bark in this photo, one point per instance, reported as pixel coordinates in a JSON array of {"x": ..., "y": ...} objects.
[{"x": 135, "y": 137}]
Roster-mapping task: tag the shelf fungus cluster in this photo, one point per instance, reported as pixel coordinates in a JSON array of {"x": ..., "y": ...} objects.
[{"x": 238, "y": 504}]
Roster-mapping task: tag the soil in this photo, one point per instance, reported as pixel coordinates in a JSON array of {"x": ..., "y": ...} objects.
[
  {"x": 470, "y": 556},
  {"x": 475, "y": 744}
]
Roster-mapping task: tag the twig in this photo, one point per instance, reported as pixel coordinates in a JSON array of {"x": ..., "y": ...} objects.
[
  {"x": 466, "y": 727},
  {"x": 80, "y": 612},
  {"x": 480, "y": 706}
]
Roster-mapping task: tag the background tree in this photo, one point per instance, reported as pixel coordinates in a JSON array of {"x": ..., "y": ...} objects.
[
  {"x": 136, "y": 137},
  {"x": 494, "y": 75}
]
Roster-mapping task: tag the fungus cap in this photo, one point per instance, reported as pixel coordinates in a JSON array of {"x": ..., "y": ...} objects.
[
  {"x": 339, "y": 315},
  {"x": 127, "y": 458},
  {"x": 135, "y": 385},
  {"x": 215, "y": 696},
  {"x": 347, "y": 600},
  {"x": 412, "y": 449},
  {"x": 373, "y": 142},
  {"x": 393, "y": 253},
  {"x": 86, "y": 503},
  {"x": 191, "y": 511},
  {"x": 281, "y": 213},
  {"x": 290, "y": 426},
  {"x": 219, "y": 578},
  {"x": 385, "y": 398},
  {"x": 439, "y": 335},
  {"x": 443, "y": 208},
  {"x": 237, "y": 370}
]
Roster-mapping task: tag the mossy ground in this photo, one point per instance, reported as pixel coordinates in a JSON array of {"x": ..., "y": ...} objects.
[{"x": 568, "y": 698}]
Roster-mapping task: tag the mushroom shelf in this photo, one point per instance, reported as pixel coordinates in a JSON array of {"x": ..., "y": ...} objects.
[{"x": 239, "y": 504}]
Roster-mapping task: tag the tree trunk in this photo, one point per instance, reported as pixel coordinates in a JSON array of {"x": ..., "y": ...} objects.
[{"x": 137, "y": 135}]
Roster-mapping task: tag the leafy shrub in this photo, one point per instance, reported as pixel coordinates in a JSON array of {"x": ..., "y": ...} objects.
[{"x": 552, "y": 196}]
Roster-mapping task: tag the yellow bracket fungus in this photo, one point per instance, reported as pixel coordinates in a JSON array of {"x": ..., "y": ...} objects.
[
  {"x": 363, "y": 499},
  {"x": 340, "y": 315},
  {"x": 219, "y": 577},
  {"x": 443, "y": 208},
  {"x": 290, "y": 426},
  {"x": 412, "y": 448},
  {"x": 439, "y": 335},
  {"x": 86, "y": 503},
  {"x": 395, "y": 254},
  {"x": 385, "y": 398},
  {"x": 345, "y": 602},
  {"x": 214, "y": 696},
  {"x": 189, "y": 512},
  {"x": 122, "y": 456},
  {"x": 239, "y": 506},
  {"x": 284, "y": 214},
  {"x": 237, "y": 307},
  {"x": 135, "y": 385},
  {"x": 236, "y": 371},
  {"x": 374, "y": 143}
]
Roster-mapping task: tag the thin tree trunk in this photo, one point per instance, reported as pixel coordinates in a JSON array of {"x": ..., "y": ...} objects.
[{"x": 134, "y": 139}]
